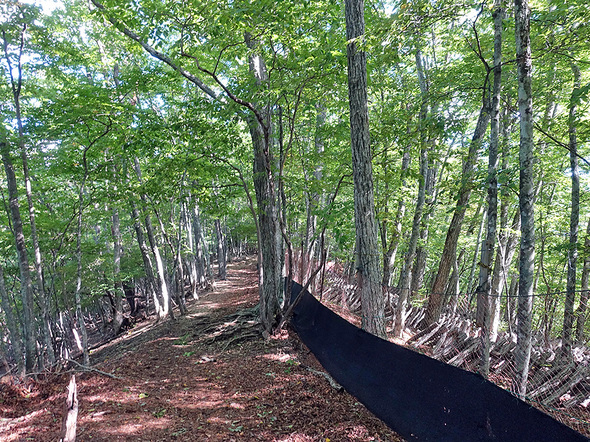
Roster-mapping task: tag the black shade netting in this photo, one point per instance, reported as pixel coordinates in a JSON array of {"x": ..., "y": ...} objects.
[{"x": 418, "y": 397}]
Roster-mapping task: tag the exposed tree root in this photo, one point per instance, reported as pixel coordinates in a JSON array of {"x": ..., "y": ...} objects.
[
  {"x": 93, "y": 370},
  {"x": 335, "y": 385}
]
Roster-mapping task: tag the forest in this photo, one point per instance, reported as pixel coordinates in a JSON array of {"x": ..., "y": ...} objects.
[{"x": 424, "y": 164}]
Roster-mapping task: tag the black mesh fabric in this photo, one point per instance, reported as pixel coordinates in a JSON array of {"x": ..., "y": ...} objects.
[{"x": 418, "y": 397}]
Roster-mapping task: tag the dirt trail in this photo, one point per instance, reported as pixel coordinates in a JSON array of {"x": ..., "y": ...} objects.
[{"x": 203, "y": 377}]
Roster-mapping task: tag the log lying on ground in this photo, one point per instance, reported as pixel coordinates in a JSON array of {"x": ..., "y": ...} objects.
[{"x": 70, "y": 417}]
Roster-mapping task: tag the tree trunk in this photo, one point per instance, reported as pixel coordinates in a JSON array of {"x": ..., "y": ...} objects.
[
  {"x": 526, "y": 197},
  {"x": 30, "y": 339},
  {"x": 80, "y": 321},
  {"x": 43, "y": 297},
  {"x": 419, "y": 267},
  {"x": 405, "y": 280},
  {"x": 271, "y": 251},
  {"x": 221, "y": 250},
  {"x": 11, "y": 324},
  {"x": 585, "y": 293},
  {"x": 390, "y": 250},
  {"x": 192, "y": 258},
  {"x": 572, "y": 256},
  {"x": 504, "y": 255},
  {"x": 470, "y": 286},
  {"x": 435, "y": 301},
  {"x": 202, "y": 248},
  {"x": 487, "y": 250},
  {"x": 118, "y": 284},
  {"x": 368, "y": 272},
  {"x": 162, "y": 283},
  {"x": 310, "y": 249},
  {"x": 151, "y": 284}
]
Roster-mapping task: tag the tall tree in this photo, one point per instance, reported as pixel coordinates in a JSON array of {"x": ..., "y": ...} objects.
[
  {"x": 522, "y": 354},
  {"x": 487, "y": 250},
  {"x": 448, "y": 256},
  {"x": 259, "y": 121},
  {"x": 368, "y": 271},
  {"x": 572, "y": 255},
  {"x": 405, "y": 278},
  {"x": 585, "y": 292},
  {"x": 29, "y": 329}
]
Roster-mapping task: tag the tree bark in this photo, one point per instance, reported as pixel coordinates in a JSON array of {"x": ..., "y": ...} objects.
[
  {"x": 487, "y": 251},
  {"x": 118, "y": 284},
  {"x": 16, "y": 85},
  {"x": 270, "y": 272},
  {"x": 572, "y": 255},
  {"x": 80, "y": 321},
  {"x": 435, "y": 301},
  {"x": 505, "y": 253},
  {"x": 368, "y": 271},
  {"x": 203, "y": 258},
  {"x": 526, "y": 197},
  {"x": 11, "y": 324},
  {"x": 419, "y": 267},
  {"x": 162, "y": 283},
  {"x": 30, "y": 339},
  {"x": 390, "y": 249},
  {"x": 405, "y": 280},
  {"x": 585, "y": 293},
  {"x": 221, "y": 250},
  {"x": 151, "y": 284}
]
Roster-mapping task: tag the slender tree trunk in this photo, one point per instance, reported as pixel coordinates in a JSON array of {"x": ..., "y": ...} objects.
[
  {"x": 192, "y": 259},
  {"x": 487, "y": 250},
  {"x": 118, "y": 284},
  {"x": 585, "y": 293},
  {"x": 526, "y": 197},
  {"x": 470, "y": 285},
  {"x": 405, "y": 280},
  {"x": 151, "y": 284},
  {"x": 390, "y": 250},
  {"x": 221, "y": 248},
  {"x": 30, "y": 338},
  {"x": 11, "y": 324},
  {"x": 504, "y": 255},
  {"x": 572, "y": 256},
  {"x": 203, "y": 261},
  {"x": 368, "y": 271},
  {"x": 160, "y": 269},
  {"x": 311, "y": 248},
  {"x": 435, "y": 301},
  {"x": 80, "y": 321},
  {"x": 419, "y": 267},
  {"x": 16, "y": 85},
  {"x": 162, "y": 283},
  {"x": 43, "y": 297}
]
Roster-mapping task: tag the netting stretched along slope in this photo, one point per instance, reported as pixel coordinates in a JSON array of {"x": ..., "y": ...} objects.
[{"x": 417, "y": 396}]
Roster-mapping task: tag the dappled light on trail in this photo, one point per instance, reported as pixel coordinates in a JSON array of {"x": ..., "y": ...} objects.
[{"x": 208, "y": 376}]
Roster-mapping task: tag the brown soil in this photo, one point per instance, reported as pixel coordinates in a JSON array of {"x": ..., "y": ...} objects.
[{"x": 208, "y": 376}]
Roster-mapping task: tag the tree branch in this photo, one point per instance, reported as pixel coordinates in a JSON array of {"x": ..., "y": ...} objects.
[{"x": 156, "y": 54}]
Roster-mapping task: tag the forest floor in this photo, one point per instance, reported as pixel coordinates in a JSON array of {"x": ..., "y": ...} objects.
[{"x": 206, "y": 376}]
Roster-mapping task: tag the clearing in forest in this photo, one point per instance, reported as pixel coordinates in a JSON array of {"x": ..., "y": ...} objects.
[{"x": 207, "y": 376}]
